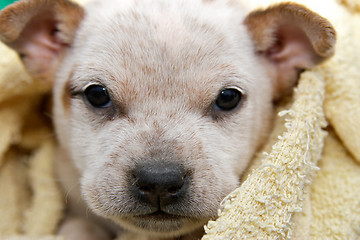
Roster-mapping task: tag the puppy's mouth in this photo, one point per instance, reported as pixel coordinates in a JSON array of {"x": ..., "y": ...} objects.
[
  {"x": 160, "y": 215},
  {"x": 161, "y": 223}
]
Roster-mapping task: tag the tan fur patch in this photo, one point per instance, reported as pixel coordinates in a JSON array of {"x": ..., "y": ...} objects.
[
  {"x": 68, "y": 16},
  {"x": 66, "y": 97},
  {"x": 25, "y": 10},
  {"x": 262, "y": 25},
  {"x": 55, "y": 24}
]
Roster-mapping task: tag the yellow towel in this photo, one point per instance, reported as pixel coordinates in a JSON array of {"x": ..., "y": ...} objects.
[
  {"x": 30, "y": 201},
  {"x": 307, "y": 186}
]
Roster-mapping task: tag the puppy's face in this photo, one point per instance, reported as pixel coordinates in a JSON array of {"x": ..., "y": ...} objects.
[
  {"x": 161, "y": 110},
  {"x": 161, "y": 104}
]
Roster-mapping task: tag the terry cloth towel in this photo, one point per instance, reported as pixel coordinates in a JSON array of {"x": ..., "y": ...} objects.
[{"x": 307, "y": 185}]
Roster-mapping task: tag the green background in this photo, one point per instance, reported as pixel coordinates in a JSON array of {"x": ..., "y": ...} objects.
[{"x": 4, "y": 3}]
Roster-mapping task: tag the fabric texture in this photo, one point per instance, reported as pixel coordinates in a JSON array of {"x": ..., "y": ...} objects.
[{"x": 306, "y": 185}]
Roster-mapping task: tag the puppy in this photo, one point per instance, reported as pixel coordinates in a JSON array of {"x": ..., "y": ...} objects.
[{"x": 159, "y": 105}]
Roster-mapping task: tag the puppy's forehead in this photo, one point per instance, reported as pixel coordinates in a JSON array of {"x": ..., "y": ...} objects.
[{"x": 160, "y": 46}]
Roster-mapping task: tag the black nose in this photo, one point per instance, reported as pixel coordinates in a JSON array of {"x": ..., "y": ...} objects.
[{"x": 160, "y": 183}]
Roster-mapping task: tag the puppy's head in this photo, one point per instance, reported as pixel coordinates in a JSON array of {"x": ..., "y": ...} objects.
[{"x": 161, "y": 104}]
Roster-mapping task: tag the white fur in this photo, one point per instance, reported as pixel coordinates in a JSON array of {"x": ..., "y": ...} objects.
[{"x": 183, "y": 43}]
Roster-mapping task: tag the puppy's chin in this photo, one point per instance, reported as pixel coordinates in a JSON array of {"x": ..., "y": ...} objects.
[
  {"x": 160, "y": 224},
  {"x": 154, "y": 223}
]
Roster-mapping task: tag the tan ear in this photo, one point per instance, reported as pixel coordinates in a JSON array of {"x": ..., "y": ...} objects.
[
  {"x": 290, "y": 38},
  {"x": 40, "y": 31}
]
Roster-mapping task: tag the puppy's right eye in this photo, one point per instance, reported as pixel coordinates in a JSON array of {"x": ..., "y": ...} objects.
[
  {"x": 97, "y": 96},
  {"x": 228, "y": 99}
]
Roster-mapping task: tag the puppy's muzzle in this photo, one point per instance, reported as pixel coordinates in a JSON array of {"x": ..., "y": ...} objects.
[{"x": 160, "y": 184}]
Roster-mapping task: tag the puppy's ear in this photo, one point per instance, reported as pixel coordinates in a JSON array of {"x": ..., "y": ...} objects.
[
  {"x": 40, "y": 31},
  {"x": 290, "y": 38}
]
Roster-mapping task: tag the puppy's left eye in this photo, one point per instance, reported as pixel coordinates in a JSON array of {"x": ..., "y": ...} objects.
[
  {"x": 97, "y": 96},
  {"x": 228, "y": 99}
]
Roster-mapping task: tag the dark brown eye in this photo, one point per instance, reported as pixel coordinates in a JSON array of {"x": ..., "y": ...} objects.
[
  {"x": 228, "y": 99},
  {"x": 97, "y": 96}
]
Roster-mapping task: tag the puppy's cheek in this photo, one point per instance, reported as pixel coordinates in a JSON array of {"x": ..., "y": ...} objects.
[
  {"x": 210, "y": 189},
  {"x": 95, "y": 189},
  {"x": 106, "y": 190},
  {"x": 66, "y": 122}
]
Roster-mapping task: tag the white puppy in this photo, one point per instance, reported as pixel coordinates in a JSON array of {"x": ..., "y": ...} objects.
[{"x": 159, "y": 105}]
